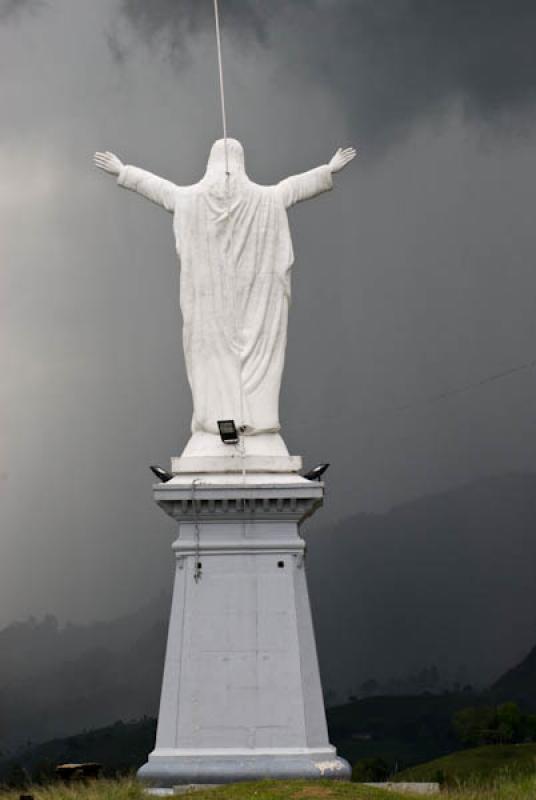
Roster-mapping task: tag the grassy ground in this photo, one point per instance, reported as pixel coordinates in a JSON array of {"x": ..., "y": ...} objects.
[
  {"x": 503, "y": 788},
  {"x": 477, "y": 765},
  {"x": 129, "y": 789}
]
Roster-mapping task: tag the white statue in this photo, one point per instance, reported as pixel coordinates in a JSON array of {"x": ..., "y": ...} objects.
[{"x": 235, "y": 253}]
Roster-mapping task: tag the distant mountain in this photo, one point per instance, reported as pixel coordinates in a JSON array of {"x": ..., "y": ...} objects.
[
  {"x": 81, "y": 677},
  {"x": 519, "y": 683},
  {"x": 446, "y": 580},
  {"x": 120, "y": 747},
  {"x": 32, "y": 646}
]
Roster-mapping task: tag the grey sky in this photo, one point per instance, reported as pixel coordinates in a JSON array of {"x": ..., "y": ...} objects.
[
  {"x": 394, "y": 62},
  {"x": 415, "y": 276}
]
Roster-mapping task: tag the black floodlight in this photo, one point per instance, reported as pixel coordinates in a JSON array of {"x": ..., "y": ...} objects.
[
  {"x": 316, "y": 473},
  {"x": 228, "y": 432},
  {"x": 162, "y": 474}
]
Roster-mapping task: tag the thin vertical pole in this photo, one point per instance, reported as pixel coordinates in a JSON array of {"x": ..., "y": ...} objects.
[{"x": 222, "y": 92}]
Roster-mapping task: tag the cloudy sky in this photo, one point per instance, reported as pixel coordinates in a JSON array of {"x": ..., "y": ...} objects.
[{"x": 414, "y": 282}]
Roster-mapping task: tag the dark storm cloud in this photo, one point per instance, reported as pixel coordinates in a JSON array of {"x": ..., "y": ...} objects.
[
  {"x": 10, "y": 9},
  {"x": 390, "y": 63},
  {"x": 175, "y": 22}
]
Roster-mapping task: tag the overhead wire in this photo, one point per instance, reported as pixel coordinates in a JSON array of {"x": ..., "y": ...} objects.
[
  {"x": 424, "y": 400},
  {"x": 222, "y": 90},
  {"x": 462, "y": 389}
]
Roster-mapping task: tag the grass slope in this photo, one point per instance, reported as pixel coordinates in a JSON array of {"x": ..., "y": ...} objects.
[
  {"x": 477, "y": 765},
  {"x": 522, "y": 788},
  {"x": 129, "y": 789}
]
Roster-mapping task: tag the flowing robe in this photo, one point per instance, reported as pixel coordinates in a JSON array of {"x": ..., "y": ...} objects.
[{"x": 235, "y": 253}]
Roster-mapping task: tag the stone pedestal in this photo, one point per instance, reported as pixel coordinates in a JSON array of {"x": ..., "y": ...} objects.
[{"x": 241, "y": 695}]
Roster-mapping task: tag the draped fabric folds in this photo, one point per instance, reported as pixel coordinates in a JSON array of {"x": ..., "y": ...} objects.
[{"x": 235, "y": 253}]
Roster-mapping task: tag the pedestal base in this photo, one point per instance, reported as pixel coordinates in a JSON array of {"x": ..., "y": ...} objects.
[
  {"x": 241, "y": 695},
  {"x": 166, "y": 771},
  {"x": 205, "y": 453}
]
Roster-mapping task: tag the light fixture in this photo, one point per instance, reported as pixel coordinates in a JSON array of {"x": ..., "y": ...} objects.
[
  {"x": 316, "y": 473},
  {"x": 228, "y": 432},
  {"x": 162, "y": 474}
]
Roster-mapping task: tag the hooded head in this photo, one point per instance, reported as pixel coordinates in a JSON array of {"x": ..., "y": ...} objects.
[{"x": 235, "y": 159}]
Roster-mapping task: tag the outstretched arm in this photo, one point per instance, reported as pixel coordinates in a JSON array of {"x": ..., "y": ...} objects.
[
  {"x": 158, "y": 190},
  {"x": 309, "y": 184}
]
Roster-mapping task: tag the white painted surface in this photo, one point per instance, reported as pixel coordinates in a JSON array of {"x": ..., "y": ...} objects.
[
  {"x": 233, "y": 667},
  {"x": 210, "y": 445},
  {"x": 235, "y": 252},
  {"x": 241, "y": 690},
  {"x": 233, "y": 479},
  {"x": 234, "y": 462}
]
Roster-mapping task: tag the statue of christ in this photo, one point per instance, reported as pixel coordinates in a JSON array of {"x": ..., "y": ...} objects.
[{"x": 235, "y": 253}]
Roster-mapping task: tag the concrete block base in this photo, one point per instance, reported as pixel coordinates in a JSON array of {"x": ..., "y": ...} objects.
[
  {"x": 169, "y": 771},
  {"x": 241, "y": 695}
]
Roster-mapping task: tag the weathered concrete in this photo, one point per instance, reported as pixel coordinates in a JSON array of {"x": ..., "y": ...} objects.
[
  {"x": 241, "y": 695},
  {"x": 409, "y": 787}
]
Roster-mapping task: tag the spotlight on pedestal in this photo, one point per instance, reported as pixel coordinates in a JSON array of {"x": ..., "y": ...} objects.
[
  {"x": 162, "y": 474},
  {"x": 228, "y": 432},
  {"x": 316, "y": 473}
]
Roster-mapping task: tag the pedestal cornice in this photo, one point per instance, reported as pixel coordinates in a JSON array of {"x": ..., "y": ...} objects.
[{"x": 218, "y": 501}]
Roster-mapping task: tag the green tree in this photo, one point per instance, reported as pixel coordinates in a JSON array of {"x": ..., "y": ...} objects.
[
  {"x": 475, "y": 725},
  {"x": 509, "y": 722}
]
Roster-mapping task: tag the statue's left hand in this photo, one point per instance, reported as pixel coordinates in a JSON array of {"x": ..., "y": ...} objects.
[
  {"x": 108, "y": 162},
  {"x": 342, "y": 158}
]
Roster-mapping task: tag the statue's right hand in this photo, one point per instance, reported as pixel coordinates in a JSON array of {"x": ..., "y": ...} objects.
[
  {"x": 341, "y": 158},
  {"x": 108, "y": 162}
]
